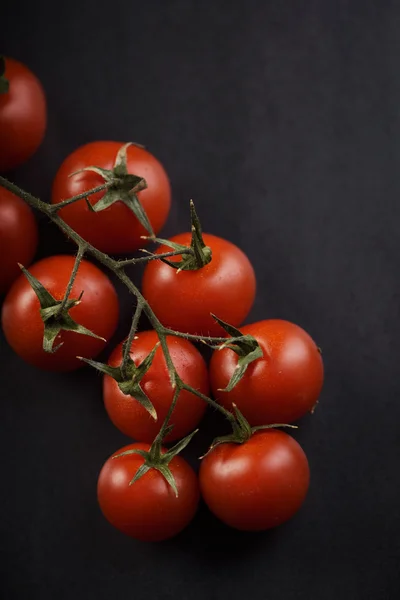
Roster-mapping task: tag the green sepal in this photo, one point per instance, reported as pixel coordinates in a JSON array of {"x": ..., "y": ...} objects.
[
  {"x": 154, "y": 459},
  {"x": 123, "y": 187},
  {"x": 130, "y": 383},
  {"x": 245, "y": 346},
  {"x": 46, "y": 300},
  {"x": 181, "y": 445},
  {"x": 201, "y": 254},
  {"x": 169, "y": 478},
  {"x": 136, "y": 391},
  {"x": 142, "y": 470},
  {"x": 241, "y": 367},
  {"x": 55, "y": 320},
  {"x": 4, "y": 83},
  {"x": 244, "y": 428},
  {"x": 242, "y": 431}
]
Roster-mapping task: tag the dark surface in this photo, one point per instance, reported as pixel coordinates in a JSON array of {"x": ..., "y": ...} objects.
[{"x": 281, "y": 120}]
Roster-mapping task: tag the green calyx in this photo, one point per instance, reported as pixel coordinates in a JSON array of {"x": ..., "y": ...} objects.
[
  {"x": 128, "y": 377},
  {"x": 122, "y": 187},
  {"x": 155, "y": 459},
  {"x": 199, "y": 254},
  {"x": 242, "y": 431},
  {"x": 4, "y": 83},
  {"x": 245, "y": 346},
  {"x": 55, "y": 314}
]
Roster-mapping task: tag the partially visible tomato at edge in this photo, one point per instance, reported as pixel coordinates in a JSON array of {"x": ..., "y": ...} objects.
[
  {"x": 23, "y": 116},
  {"x": 256, "y": 485},
  {"x": 130, "y": 416},
  {"x": 98, "y": 311},
  {"x": 280, "y": 387},
  {"x": 147, "y": 510},
  {"x": 116, "y": 229},
  {"x": 184, "y": 301},
  {"x": 18, "y": 237}
]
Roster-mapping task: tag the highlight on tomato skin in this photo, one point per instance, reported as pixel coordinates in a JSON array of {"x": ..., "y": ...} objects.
[
  {"x": 97, "y": 311},
  {"x": 280, "y": 387},
  {"x": 148, "y": 510},
  {"x": 256, "y": 485},
  {"x": 184, "y": 301},
  {"x": 18, "y": 237},
  {"x": 116, "y": 229},
  {"x": 131, "y": 417},
  {"x": 23, "y": 115}
]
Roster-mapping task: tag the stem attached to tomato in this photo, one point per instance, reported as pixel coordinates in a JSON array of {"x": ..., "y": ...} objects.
[
  {"x": 54, "y": 208},
  {"x": 117, "y": 267},
  {"x": 78, "y": 259}
]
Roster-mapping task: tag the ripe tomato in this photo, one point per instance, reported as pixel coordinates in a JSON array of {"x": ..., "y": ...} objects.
[
  {"x": 130, "y": 416},
  {"x": 281, "y": 386},
  {"x": 23, "y": 116},
  {"x": 183, "y": 301},
  {"x": 18, "y": 237},
  {"x": 148, "y": 509},
  {"x": 98, "y": 311},
  {"x": 258, "y": 484},
  {"x": 115, "y": 229}
]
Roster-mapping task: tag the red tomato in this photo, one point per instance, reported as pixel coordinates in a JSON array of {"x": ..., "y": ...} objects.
[
  {"x": 98, "y": 311},
  {"x": 183, "y": 301},
  {"x": 147, "y": 510},
  {"x": 130, "y": 416},
  {"x": 281, "y": 386},
  {"x": 23, "y": 116},
  {"x": 115, "y": 229},
  {"x": 18, "y": 237},
  {"x": 258, "y": 484}
]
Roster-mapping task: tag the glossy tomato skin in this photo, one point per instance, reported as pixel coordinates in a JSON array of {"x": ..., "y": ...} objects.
[
  {"x": 130, "y": 416},
  {"x": 183, "y": 301},
  {"x": 18, "y": 237},
  {"x": 116, "y": 229},
  {"x": 281, "y": 386},
  {"x": 98, "y": 311},
  {"x": 256, "y": 485},
  {"x": 23, "y": 116},
  {"x": 147, "y": 510}
]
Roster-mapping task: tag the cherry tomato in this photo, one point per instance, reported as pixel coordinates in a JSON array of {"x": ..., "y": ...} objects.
[
  {"x": 116, "y": 229},
  {"x": 98, "y": 311},
  {"x": 258, "y": 484},
  {"x": 147, "y": 510},
  {"x": 23, "y": 116},
  {"x": 183, "y": 301},
  {"x": 130, "y": 416},
  {"x": 18, "y": 237},
  {"x": 281, "y": 386}
]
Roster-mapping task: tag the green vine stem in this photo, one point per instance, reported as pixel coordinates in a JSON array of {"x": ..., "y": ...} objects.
[
  {"x": 132, "y": 333},
  {"x": 78, "y": 259},
  {"x": 54, "y": 208},
  {"x": 118, "y": 268}
]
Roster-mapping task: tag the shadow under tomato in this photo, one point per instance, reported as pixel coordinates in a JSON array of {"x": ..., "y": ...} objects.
[{"x": 212, "y": 542}]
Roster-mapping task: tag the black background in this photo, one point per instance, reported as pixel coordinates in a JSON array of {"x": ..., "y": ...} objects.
[{"x": 281, "y": 120}]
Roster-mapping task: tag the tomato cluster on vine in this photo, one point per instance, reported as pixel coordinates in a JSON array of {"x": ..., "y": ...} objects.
[{"x": 60, "y": 312}]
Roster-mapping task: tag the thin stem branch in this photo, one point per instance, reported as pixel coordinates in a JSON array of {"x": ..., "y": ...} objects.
[
  {"x": 132, "y": 332},
  {"x": 196, "y": 338},
  {"x": 157, "y": 325},
  {"x": 56, "y": 207},
  {"x": 78, "y": 259},
  {"x": 168, "y": 416},
  {"x": 209, "y": 401},
  {"x": 150, "y": 256},
  {"x": 173, "y": 375}
]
